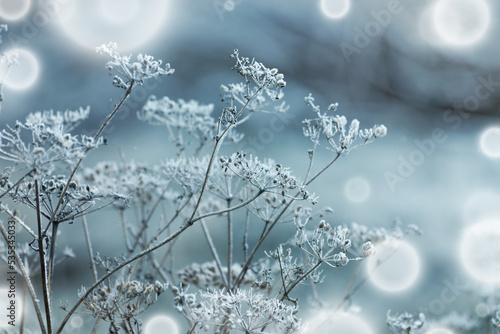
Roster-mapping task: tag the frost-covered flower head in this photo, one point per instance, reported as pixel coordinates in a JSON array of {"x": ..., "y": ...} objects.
[
  {"x": 48, "y": 140},
  {"x": 190, "y": 116},
  {"x": 333, "y": 133},
  {"x": 405, "y": 323},
  {"x": 145, "y": 67},
  {"x": 241, "y": 310},
  {"x": 123, "y": 301}
]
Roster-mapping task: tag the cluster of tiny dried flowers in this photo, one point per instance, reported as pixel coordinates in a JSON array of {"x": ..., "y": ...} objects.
[
  {"x": 260, "y": 91},
  {"x": 405, "y": 323},
  {"x": 338, "y": 137},
  {"x": 139, "y": 183},
  {"x": 241, "y": 310},
  {"x": 48, "y": 140},
  {"x": 77, "y": 200},
  {"x": 207, "y": 275},
  {"x": 266, "y": 176},
  {"x": 191, "y": 117},
  {"x": 124, "y": 301},
  {"x": 145, "y": 67}
]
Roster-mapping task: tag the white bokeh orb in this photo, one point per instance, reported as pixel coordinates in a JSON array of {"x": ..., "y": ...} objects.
[
  {"x": 343, "y": 322},
  {"x": 480, "y": 251},
  {"x": 76, "y": 321},
  {"x": 461, "y": 22},
  {"x": 482, "y": 310},
  {"x": 161, "y": 324},
  {"x": 22, "y": 75},
  {"x": 439, "y": 330},
  {"x": 395, "y": 266},
  {"x": 118, "y": 11},
  {"x": 129, "y": 23},
  {"x": 229, "y": 5},
  {"x": 357, "y": 190},
  {"x": 13, "y": 10},
  {"x": 489, "y": 142},
  {"x": 335, "y": 9},
  {"x": 482, "y": 205}
]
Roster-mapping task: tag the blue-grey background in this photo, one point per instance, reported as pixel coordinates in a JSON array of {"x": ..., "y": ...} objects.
[{"x": 404, "y": 78}]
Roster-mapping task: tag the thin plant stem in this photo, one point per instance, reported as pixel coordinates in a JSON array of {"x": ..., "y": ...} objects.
[
  {"x": 50, "y": 270},
  {"x": 28, "y": 283},
  {"x": 245, "y": 236},
  {"x": 117, "y": 268},
  {"x": 268, "y": 230},
  {"x": 96, "y": 326},
  {"x": 17, "y": 183},
  {"x": 96, "y": 136},
  {"x": 41, "y": 253},
  {"x": 23, "y": 309},
  {"x": 220, "y": 212},
  {"x": 213, "y": 250},
  {"x": 89, "y": 247},
  {"x": 229, "y": 243},
  {"x": 218, "y": 142}
]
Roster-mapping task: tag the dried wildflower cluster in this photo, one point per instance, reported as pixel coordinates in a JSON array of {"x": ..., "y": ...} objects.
[
  {"x": 145, "y": 67},
  {"x": 122, "y": 303},
  {"x": 50, "y": 141},
  {"x": 183, "y": 117},
  {"x": 337, "y": 136},
  {"x": 405, "y": 323},
  {"x": 207, "y": 276},
  {"x": 242, "y": 311},
  {"x": 242, "y": 288}
]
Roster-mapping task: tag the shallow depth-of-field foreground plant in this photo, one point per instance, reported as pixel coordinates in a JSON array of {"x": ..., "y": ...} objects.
[{"x": 244, "y": 288}]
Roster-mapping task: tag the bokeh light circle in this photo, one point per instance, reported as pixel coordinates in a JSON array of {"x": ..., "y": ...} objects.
[
  {"x": 395, "y": 266},
  {"x": 76, "y": 321},
  {"x": 480, "y": 251},
  {"x": 343, "y": 322},
  {"x": 357, "y": 190},
  {"x": 440, "y": 330},
  {"x": 161, "y": 324},
  {"x": 490, "y": 142},
  {"x": 480, "y": 206},
  {"x": 229, "y": 5},
  {"x": 129, "y": 23},
  {"x": 482, "y": 310},
  {"x": 14, "y": 9},
  {"x": 22, "y": 75},
  {"x": 461, "y": 22},
  {"x": 115, "y": 11},
  {"x": 335, "y": 9}
]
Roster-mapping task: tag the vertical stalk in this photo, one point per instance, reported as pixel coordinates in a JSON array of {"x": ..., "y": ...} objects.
[
  {"x": 89, "y": 247},
  {"x": 229, "y": 243},
  {"x": 43, "y": 270},
  {"x": 214, "y": 253}
]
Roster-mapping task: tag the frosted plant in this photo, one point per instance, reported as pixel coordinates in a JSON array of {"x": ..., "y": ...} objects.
[
  {"x": 122, "y": 303},
  {"x": 130, "y": 72},
  {"x": 183, "y": 117},
  {"x": 242, "y": 288},
  {"x": 78, "y": 200},
  {"x": 243, "y": 311},
  {"x": 405, "y": 323},
  {"x": 337, "y": 136},
  {"x": 206, "y": 275},
  {"x": 50, "y": 141}
]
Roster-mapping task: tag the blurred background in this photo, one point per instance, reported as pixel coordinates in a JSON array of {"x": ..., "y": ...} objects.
[{"x": 429, "y": 70}]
